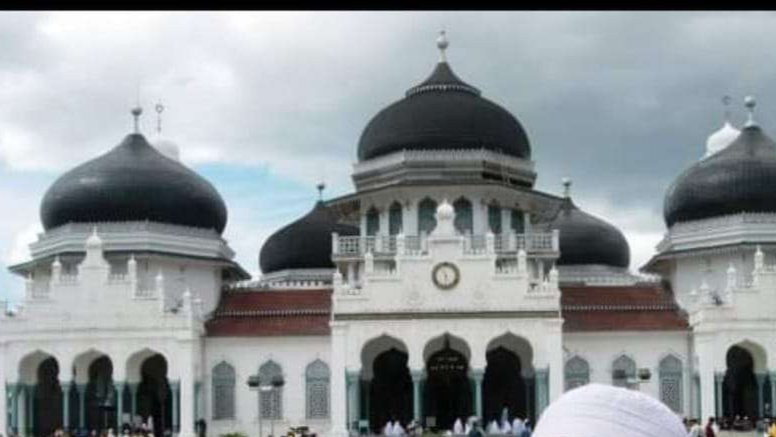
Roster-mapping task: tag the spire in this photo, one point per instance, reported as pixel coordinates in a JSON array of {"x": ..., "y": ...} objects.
[
  {"x": 750, "y": 104},
  {"x": 321, "y": 186},
  {"x": 566, "y": 188},
  {"x": 159, "y": 109},
  {"x": 442, "y": 45},
  {"x": 136, "y": 111}
]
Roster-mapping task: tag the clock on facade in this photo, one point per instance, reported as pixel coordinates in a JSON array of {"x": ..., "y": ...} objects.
[{"x": 445, "y": 275}]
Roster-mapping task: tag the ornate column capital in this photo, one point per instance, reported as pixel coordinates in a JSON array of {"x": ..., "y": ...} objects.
[
  {"x": 478, "y": 375},
  {"x": 417, "y": 375}
]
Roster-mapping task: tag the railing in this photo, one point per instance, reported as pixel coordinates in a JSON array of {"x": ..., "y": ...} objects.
[{"x": 357, "y": 246}]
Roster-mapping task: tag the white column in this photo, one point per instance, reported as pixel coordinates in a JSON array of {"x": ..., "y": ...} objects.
[
  {"x": 555, "y": 360},
  {"x": 187, "y": 379},
  {"x": 338, "y": 384},
  {"x": 706, "y": 372}
]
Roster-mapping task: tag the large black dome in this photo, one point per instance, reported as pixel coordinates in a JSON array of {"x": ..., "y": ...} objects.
[
  {"x": 585, "y": 239},
  {"x": 305, "y": 243},
  {"x": 133, "y": 182},
  {"x": 739, "y": 178},
  {"x": 443, "y": 112}
]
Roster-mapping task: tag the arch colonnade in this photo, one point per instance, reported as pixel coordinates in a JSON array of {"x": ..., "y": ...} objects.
[
  {"x": 450, "y": 384},
  {"x": 97, "y": 390}
]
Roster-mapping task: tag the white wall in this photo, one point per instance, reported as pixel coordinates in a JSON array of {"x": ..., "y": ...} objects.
[
  {"x": 246, "y": 355},
  {"x": 600, "y": 349}
]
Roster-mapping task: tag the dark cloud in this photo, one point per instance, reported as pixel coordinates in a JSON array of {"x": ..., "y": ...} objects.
[{"x": 619, "y": 101}]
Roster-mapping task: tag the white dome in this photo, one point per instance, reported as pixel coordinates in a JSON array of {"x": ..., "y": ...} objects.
[
  {"x": 721, "y": 139},
  {"x": 167, "y": 148},
  {"x": 445, "y": 211}
]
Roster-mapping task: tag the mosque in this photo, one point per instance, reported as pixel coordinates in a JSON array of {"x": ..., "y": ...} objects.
[{"x": 444, "y": 286}]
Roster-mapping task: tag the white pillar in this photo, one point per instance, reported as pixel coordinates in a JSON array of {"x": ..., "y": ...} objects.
[
  {"x": 706, "y": 371},
  {"x": 554, "y": 343},
  {"x": 187, "y": 379},
  {"x": 338, "y": 383}
]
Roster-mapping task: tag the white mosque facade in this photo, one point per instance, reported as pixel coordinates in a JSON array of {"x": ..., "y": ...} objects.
[{"x": 444, "y": 286}]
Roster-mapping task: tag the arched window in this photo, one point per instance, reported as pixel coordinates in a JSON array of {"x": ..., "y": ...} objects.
[
  {"x": 577, "y": 372},
  {"x": 426, "y": 220},
  {"x": 372, "y": 221},
  {"x": 317, "y": 379},
  {"x": 463, "y": 216},
  {"x": 518, "y": 223},
  {"x": 494, "y": 218},
  {"x": 623, "y": 371},
  {"x": 272, "y": 400},
  {"x": 223, "y": 391},
  {"x": 670, "y": 373},
  {"x": 395, "y": 224}
]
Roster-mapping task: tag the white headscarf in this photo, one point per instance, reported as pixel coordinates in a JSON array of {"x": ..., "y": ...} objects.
[
  {"x": 458, "y": 427},
  {"x": 517, "y": 426},
  {"x": 506, "y": 428},
  {"x": 388, "y": 428},
  {"x": 596, "y": 410},
  {"x": 397, "y": 428},
  {"x": 493, "y": 428}
]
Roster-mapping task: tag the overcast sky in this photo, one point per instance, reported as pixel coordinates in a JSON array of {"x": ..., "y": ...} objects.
[{"x": 267, "y": 104}]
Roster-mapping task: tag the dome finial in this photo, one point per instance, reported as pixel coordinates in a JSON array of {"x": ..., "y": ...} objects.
[
  {"x": 321, "y": 186},
  {"x": 442, "y": 45},
  {"x": 566, "y": 187},
  {"x": 750, "y": 104},
  {"x": 136, "y": 111},
  {"x": 726, "y": 104},
  {"x": 159, "y": 109}
]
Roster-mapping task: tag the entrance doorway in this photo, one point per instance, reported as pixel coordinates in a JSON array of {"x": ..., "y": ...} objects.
[
  {"x": 739, "y": 388},
  {"x": 154, "y": 397},
  {"x": 47, "y": 399},
  {"x": 390, "y": 393},
  {"x": 448, "y": 391},
  {"x": 100, "y": 395}
]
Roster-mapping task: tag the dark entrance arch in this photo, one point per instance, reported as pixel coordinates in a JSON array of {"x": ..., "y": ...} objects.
[
  {"x": 448, "y": 392},
  {"x": 739, "y": 388},
  {"x": 154, "y": 397},
  {"x": 503, "y": 386},
  {"x": 390, "y": 393},
  {"x": 47, "y": 399},
  {"x": 100, "y": 401}
]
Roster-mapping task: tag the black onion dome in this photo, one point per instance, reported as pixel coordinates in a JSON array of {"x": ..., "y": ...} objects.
[
  {"x": 443, "y": 112},
  {"x": 739, "y": 178},
  {"x": 133, "y": 182},
  {"x": 305, "y": 243},
  {"x": 586, "y": 239}
]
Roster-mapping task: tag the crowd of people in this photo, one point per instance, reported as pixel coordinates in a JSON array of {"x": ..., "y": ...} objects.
[{"x": 470, "y": 427}]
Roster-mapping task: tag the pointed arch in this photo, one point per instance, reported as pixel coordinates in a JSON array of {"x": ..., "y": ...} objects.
[
  {"x": 426, "y": 215},
  {"x": 317, "y": 380},
  {"x": 463, "y": 216},
  {"x": 223, "y": 383},
  {"x": 395, "y": 219},
  {"x": 576, "y": 372},
  {"x": 272, "y": 400},
  {"x": 623, "y": 371},
  {"x": 372, "y": 221},
  {"x": 671, "y": 382}
]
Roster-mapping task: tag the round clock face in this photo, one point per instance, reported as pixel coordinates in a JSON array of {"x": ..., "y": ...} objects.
[{"x": 445, "y": 275}]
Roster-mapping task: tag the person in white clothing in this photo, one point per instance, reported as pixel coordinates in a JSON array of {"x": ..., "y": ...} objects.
[{"x": 458, "y": 427}]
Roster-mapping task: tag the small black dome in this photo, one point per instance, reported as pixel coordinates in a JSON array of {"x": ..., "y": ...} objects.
[
  {"x": 443, "y": 112},
  {"x": 585, "y": 239},
  {"x": 305, "y": 243},
  {"x": 133, "y": 182},
  {"x": 739, "y": 178}
]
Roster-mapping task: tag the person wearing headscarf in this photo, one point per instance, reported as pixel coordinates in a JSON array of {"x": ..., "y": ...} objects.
[
  {"x": 458, "y": 427},
  {"x": 388, "y": 428},
  {"x": 506, "y": 428},
  {"x": 397, "y": 428},
  {"x": 517, "y": 426},
  {"x": 597, "y": 410},
  {"x": 493, "y": 428}
]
